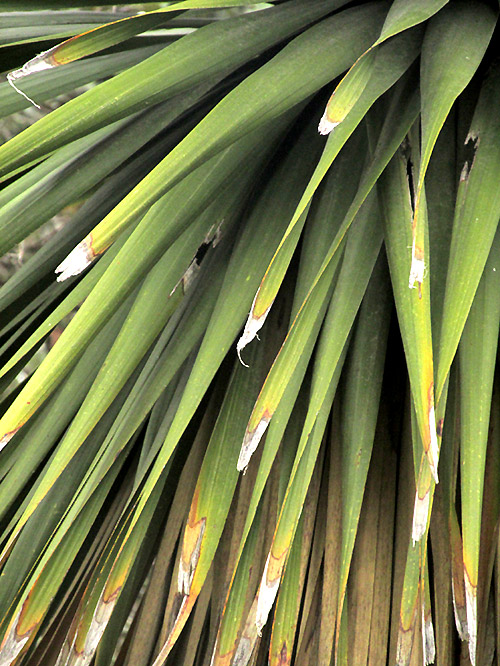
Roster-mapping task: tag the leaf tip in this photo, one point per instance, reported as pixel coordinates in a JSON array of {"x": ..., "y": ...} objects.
[
  {"x": 420, "y": 515},
  {"x": 428, "y": 639},
  {"x": 13, "y": 643},
  {"x": 251, "y": 442},
  {"x": 252, "y": 327},
  {"x": 326, "y": 125},
  {"x": 39, "y": 63},
  {"x": 459, "y": 609},
  {"x": 76, "y": 261},
  {"x": 240, "y": 345},
  {"x": 267, "y": 594},
  {"x": 193, "y": 537},
  {"x": 471, "y": 607},
  {"x": 13, "y": 76}
]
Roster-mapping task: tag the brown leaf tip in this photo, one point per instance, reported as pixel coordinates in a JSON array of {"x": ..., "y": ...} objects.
[{"x": 193, "y": 537}]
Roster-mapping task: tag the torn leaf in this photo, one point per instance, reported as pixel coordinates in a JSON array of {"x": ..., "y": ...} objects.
[
  {"x": 417, "y": 268},
  {"x": 39, "y": 63}
]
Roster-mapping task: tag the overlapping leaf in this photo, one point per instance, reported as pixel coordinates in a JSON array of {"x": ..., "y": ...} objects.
[{"x": 192, "y": 167}]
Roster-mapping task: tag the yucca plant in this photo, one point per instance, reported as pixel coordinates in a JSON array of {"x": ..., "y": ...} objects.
[{"x": 316, "y": 482}]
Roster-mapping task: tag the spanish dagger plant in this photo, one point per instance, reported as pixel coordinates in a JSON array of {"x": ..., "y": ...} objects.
[{"x": 250, "y": 407}]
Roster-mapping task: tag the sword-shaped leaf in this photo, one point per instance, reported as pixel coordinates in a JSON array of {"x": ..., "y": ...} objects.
[
  {"x": 288, "y": 604},
  {"x": 218, "y": 342},
  {"x": 363, "y": 384},
  {"x": 476, "y": 219},
  {"x": 30, "y": 583},
  {"x": 242, "y": 591},
  {"x": 391, "y": 135},
  {"x": 489, "y": 536},
  {"x": 457, "y": 569},
  {"x": 108, "y": 581},
  {"x": 294, "y": 69},
  {"x": 76, "y": 296},
  {"x": 410, "y": 603},
  {"x": 470, "y": 247},
  {"x": 299, "y": 341},
  {"x": 177, "y": 68},
  {"x": 454, "y": 44},
  {"x": 441, "y": 213},
  {"x": 251, "y": 254},
  {"x": 415, "y": 611},
  {"x": 86, "y": 217},
  {"x": 362, "y": 249},
  {"x": 290, "y": 513},
  {"x": 477, "y": 353},
  {"x": 448, "y": 585},
  {"x": 176, "y": 343},
  {"x": 413, "y": 307},
  {"x": 285, "y": 621},
  {"x": 143, "y": 248},
  {"x": 47, "y": 85},
  {"x": 327, "y": 211},
  {"x": 152, "y": 305},
  {"x": 214, "y": 490},
  {"x": 84, "y": 44},
  {"x": 134, "y": 411},
  {"x": 31, "y": 27},
  {"x": 402, "y": 15},
  {"x": 111, "y": 33},
  {"x": 326, "y": 548},
  {"x": 74, "y": 170},
  {"x": 42, "y": 433},
  {"x": 368, "y": 594},
  {"x": 150, "y": 614},
  {"x": 392, "y": 63},
  {"x": 427, "y": 626}
]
